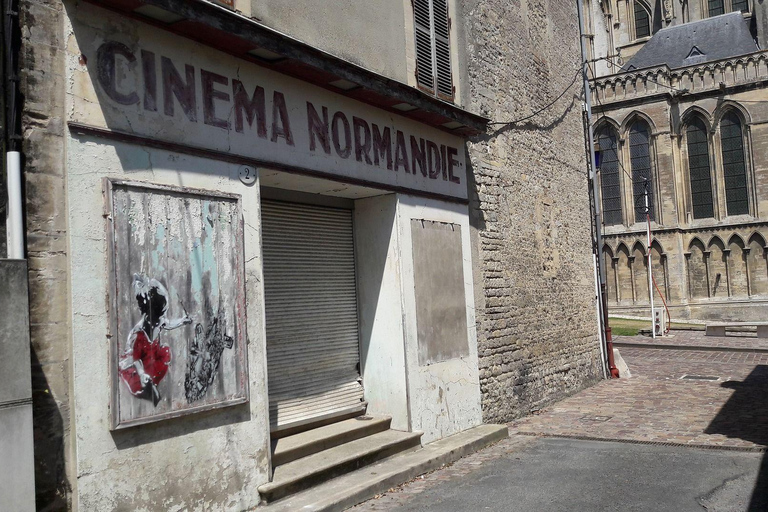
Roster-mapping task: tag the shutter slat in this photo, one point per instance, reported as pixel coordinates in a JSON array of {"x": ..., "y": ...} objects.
[{"x": 313, "y": 357}]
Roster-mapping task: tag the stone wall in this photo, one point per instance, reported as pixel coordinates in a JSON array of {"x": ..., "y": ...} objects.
[
  {"x": 537, "y": 333},
  {"x": 42, "y": 86}
]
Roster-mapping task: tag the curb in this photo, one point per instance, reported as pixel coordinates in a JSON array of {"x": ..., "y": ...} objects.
[
  {"x": 705, "y": 348},
  {"x": 749, "y": 449}
]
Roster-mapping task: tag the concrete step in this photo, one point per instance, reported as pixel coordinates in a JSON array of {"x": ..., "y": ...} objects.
[
  {"x": 355, "y": 487},
  {"x": 288, "y": 449},
  {"x": 319, "y": 467}
]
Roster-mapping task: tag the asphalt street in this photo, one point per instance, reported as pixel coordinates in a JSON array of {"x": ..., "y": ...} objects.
[{"x": 554, "y": 475}]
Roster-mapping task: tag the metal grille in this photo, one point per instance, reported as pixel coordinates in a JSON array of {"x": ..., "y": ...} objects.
[
  {"x": 699, "y": 170},
  {"x": 610, "y": 185},
  {"x": 433, "y": 47},
  {"x": 642, "y": 20},
  {"x": 311, "y": 313},
  {"x": 734, "y": 166},
  {"x": 740, "y": 5},
  {"x": 640, "y": 156},
  {"x": 716, "y": 7}
]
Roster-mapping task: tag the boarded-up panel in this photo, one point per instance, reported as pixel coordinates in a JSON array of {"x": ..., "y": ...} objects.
[
  {"x": 178, "y": 318},
  {"x": 313, "y": 355},
  {"x": 441, "y": 308}
]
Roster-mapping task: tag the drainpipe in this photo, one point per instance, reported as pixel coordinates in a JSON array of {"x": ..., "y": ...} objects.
[
  {"x": 14, "y": 215},
  {"x": 602, "y": 302}
]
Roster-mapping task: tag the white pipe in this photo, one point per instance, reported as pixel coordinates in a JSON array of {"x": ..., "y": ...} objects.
[
  {"x": 595, "y": 191},
  {"x": 650, "y": 263},
  {"x": 599, "y": 314},
  {"x": 14, "y": 223}
]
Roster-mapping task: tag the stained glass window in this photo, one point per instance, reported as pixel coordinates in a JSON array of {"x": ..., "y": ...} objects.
[
  {"x": 642, "y": 20},
  {"x": 642, "y": 179},
  {"x": 610, "y": 176},
  {"x": 734, "y": 165},
  {"x": 699, "y": 169}
]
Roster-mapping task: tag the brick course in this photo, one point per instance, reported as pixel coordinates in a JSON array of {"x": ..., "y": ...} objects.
[{"x": 537, "y": 334}]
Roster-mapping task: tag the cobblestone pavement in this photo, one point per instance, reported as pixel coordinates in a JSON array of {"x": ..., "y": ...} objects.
[
  {"x": 684, "y": 338},
  {"x": 670, "y": 399},
  {"x": 657, "y": 405}
]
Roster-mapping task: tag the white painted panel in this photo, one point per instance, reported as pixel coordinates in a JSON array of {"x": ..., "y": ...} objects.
[
  {"x": 382, "y": 346},
  {"x": 444, "y": 397}
]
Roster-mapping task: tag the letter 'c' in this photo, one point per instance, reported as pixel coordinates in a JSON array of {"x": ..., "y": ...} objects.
[{"x": 105, "y": 70}]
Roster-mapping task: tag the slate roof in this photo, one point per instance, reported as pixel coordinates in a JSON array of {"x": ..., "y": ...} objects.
[{"x": 707, "y": 40}]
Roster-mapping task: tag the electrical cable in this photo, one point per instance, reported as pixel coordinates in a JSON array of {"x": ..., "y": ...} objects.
[
  {"x": 647, "y": 214},
  {"x": 542, "y": 109},
  {"x": 612, "y": 64},
  {"x": 601, "y": 118}
]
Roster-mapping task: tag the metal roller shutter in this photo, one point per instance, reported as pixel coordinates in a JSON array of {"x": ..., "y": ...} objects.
[{"x": 313, "y": 356}]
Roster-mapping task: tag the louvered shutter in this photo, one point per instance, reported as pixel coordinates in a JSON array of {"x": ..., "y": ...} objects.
[
  {"x": 313, "y": 356},
  {"x": 433, "y": 47},
  {"x": 442, "y": 48}
]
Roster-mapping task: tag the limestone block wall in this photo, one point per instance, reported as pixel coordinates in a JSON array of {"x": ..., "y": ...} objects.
[
  {"x": 42, "y": 86},
  {"x": 534, "y": 288}
]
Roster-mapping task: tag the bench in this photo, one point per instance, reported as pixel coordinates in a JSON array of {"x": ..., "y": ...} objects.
[{"x": 719, "y": 329}]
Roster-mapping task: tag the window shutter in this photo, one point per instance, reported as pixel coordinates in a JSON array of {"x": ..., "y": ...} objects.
[
  {"x": 442, "y": 48},
  {"x": 425, "y": 70},
  {"x": 433, "y": 47}
]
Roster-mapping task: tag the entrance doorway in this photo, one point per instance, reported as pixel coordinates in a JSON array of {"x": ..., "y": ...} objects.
[{"x": 313, "y": 355}]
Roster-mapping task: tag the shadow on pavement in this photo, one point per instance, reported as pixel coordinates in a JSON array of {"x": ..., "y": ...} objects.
[{"x": 745, "y": 416}]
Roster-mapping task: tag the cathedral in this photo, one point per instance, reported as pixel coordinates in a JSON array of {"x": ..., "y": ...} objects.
[{"x": 680, "y": 101}]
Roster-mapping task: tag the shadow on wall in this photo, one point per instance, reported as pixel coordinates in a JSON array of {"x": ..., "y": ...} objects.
[
  {"x": 745, "y": 416},
  {"x": 52, "y": 489}
]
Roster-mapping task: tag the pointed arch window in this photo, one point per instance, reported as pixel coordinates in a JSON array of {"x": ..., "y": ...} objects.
[
  {"x": 610, "y": 186},
  {"x": 642, "y": 20},
  {"x": 640, "y": 158},
  {"x": 716, "y": 7},
  {"x": 699, "y": 169},
  {"x": 734, "y": 165}
]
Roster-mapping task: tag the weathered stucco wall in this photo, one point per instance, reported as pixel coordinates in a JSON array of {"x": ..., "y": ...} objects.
[
  {"x": 205, "y": 460},
  {"x": 444, "y": 396},
  {"x": 43, "y": 86},
  {"x": 377, "y": 28},
  {"x": 534, "y": 294}
]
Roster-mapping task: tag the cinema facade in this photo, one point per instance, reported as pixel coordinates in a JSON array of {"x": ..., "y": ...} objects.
[
  {"x": 234, "y": 237},
  {"x": 305, "y": 257}
]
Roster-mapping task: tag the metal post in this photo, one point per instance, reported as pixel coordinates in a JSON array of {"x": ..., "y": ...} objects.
[{"x": 650, "y": 262}]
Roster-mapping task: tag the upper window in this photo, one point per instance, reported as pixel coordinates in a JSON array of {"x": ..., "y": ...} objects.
[
  {"x": 716, "y": 7},
  {"x": 433, "y": 47},
  {"x": 699, "y": 169},
  {"x": 740, "y": 5},
  {"x": 734, "y": 165},
  {"x": 640, "y": 157},
  {"x": 642, "y": 20},
  {"x": 610, "y": 186}
]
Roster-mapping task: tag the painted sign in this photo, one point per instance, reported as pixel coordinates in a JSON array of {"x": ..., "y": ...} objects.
[
  {"x": 144, "y": 81},
  {"x": 178, "y": 302}
]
